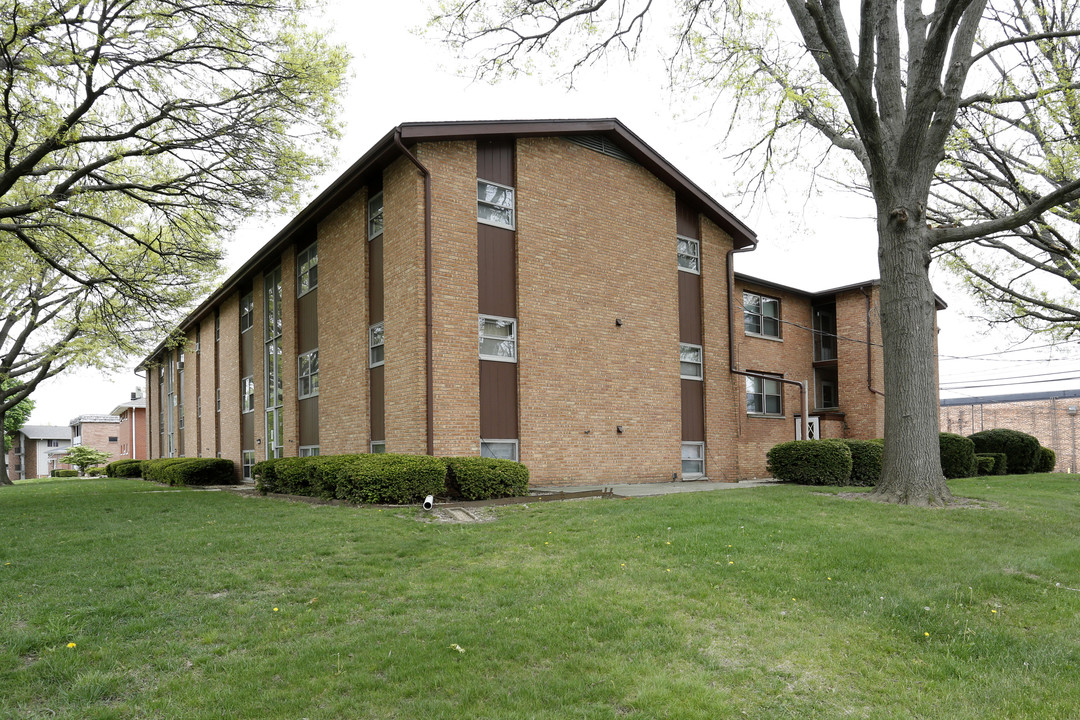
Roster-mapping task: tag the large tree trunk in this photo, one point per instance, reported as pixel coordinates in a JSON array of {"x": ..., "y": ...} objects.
[{"x": 911, "y": 472}]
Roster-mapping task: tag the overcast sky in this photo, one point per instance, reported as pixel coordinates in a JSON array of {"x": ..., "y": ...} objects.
[{"x": 810, "y": 241}]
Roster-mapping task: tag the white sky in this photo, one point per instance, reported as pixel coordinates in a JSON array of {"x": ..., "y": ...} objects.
[{"x": 810, "y": 242}]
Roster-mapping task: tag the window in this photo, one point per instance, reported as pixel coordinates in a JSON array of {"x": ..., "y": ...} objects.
[
  {"x": 114, "y": 438},
  {"x": 272, "y": 335},
  {"x": 198, "y": 406},
  {"x": 217, "y": 399},
  {"x": 247, "y": 313},
  {"x": 690, "y": 363},
  {"x": 498, "y": 338},
  {"x": 826, "y": 382},
  {"x": 309, "y": 450},
  {"x": 217, "y": 326},
  {"x": 495, "y": 204},
  {"x": 761, "y": 315},
  {"x": 693, "y": 459},
  {"x": 689, "y": 252},
  {"x": 378, "y": 446},
  {"x": 499, "y": 449},
  {"x": 376, "y": 351},
  {"x": 307, "y": 375},
  {"x": 375, "y": 216},
  {"x": 825, "y": 332},
  {"x": 247, "y": 394},
  {"x": 247, "y": 459},
  {"x": 763, "y": 396},
  {"x": 52, "y": 443},
  {"x": 307, "y": 269}
]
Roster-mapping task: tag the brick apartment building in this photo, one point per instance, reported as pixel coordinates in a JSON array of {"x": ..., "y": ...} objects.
[
  {"x": 549, "y": 291},
  {"x": 132, "y": 428},
  {"x": 29, "y": 454},
  {"x": 100, "y": 432},
  {"x": 1049, "y": 416}
]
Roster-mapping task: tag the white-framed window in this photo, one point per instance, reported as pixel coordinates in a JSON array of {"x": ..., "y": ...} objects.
[
  {"x": 689, "y": 252},
  {"x": 498, "y": 338},
  {"x": 247, "y": 312},
  {"x": 307, "y": 374},
  {"x": 693, "y": 459},
  {"x": 499, "y": 449},
  {"x": 378, "y": 447},
  {"x": 217, "y": 327},
  {"x": 375, "y": 216},
  {"x": 309, "y": 450},
  {"x": 376, "y": 345},
  {"x": 307, "y": 269},
  {"x": 761, "y": 315},
  {"x": 198, "y": 406},
  {"x": 494, "y": 204},
  {"x": 763, "y": 396},
  {"x": 247, "y": 459},
  {"x": 217, "y": 399},
  {"x": 691, "y": 365},
  {"x": 247, "y": 394}
]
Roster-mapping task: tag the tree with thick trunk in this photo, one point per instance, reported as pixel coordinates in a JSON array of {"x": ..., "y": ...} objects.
[{"x": 886, "y": 88}]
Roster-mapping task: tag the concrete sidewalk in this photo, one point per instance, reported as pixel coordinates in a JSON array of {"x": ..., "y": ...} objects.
[{"x": 649, "y": 489}]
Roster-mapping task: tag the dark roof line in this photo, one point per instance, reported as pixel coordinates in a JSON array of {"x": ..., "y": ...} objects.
[
  {"x": 1013, "y": 397},
  {"x": 941, "y": 304},
  {"x": 384, "y": 151}
]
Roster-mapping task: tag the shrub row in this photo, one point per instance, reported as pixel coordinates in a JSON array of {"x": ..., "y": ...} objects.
[
  {"x": 390, "y": 478},
  {"x": 64, "y": 473},
  {"x": 124, "y": 468},
  {"x": 189, "y": 471}
]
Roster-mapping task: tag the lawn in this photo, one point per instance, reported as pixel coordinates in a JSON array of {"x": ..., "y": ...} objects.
[{"x": 121, "y": 599}]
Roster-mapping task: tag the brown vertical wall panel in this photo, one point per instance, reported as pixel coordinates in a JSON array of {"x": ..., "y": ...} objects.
[
  {"x": 375, "y": 282},
  {"x": 689, "y": 308},
  {"x": 307, "y": 321},
  {"x": 495, "y": 271},
  {"x": 498, "y": 400},
  {"x": 686, "y": 220},
  {"x": 309, "y": 421},
  {"x": 495, "y": 160},
  {"x": 378, "y": 404},
  {"x": 693, "y": 411},
  {"x": 247, "y": 431}
]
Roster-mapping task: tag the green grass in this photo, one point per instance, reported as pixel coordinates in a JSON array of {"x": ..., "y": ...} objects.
[{"x": 775, "y": 602}]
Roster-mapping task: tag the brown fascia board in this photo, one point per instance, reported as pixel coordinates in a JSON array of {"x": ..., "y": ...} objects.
[
  {"x": 939, "y": 304},
  {"x": 385, "y": 151}
]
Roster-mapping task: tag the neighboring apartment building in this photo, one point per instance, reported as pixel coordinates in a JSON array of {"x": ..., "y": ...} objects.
[
  {"x": 29, "y": 454},
  {"x": 549, "y": 291},
  {"x": 132, "y": 429},
  {"x": 1049, "y": 416},
  {"x": 101, "y": 432}
]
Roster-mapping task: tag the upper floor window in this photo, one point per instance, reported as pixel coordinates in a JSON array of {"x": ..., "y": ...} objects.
[
  {"x": 375, "y": 216},
  {"x": 689, "y": 252},
  {"x": 690, "y": 362},
  {"x": 761, "y": 315},
  {"x": 247, "y": 394},
  {"x": 825, "y": 332},
  {"x": 376, "y": 349},
  {"x": 498, "y": 338},
  {"x": 763, "y": 396},
  {"x": 52, "y": 443},
  {"x": 307, "y": 374},
  {"x": 495, "y": 204},
  {"x": 307, "y": 269},
  {"x": 247, "y": 312}
]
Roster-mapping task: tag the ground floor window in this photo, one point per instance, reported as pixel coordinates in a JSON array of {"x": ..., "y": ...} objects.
[
  {"x": 763, "y": 396},
  {"x": 247, "y": 459},
  {"x": 309, "y": 450},
  {"x": 378, "y": 446},
  {"x": 693, "y": 459},
  {"x": 499, "y": 449}
]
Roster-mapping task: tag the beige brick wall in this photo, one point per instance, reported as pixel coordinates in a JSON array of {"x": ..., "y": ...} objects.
[
  {"x": 229, "y": 376},
  {"x": 456, "y": 367},
  {"x": 596, "y": 242},
  {"x": 207, "y": 387},
  {"x": 344, "y": 419},
  {"x": 864, "y": 410},
  {"x": 722, "y": 389},
  {"x": 191, "y": 392},
  {"x": 1047, "y": 419},
  {"x": 97, "y": 435},
  {"x": 404, "y": 323}
]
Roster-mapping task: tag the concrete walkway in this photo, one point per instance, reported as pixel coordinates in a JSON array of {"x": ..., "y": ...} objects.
[{"x": 664, "y": 488}]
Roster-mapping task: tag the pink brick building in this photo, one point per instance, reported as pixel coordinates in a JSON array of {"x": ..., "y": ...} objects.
[{"x": 549, "y": 291}]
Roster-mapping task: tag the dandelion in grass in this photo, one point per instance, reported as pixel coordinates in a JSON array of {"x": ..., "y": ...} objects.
[
  {"x": 275, "y": 609},
  {"x": 731, "y": 562},
  {"x": 455, "y": 646},
  {"x": 71, "y": 645},
  {"x": 926, "y": 634}
]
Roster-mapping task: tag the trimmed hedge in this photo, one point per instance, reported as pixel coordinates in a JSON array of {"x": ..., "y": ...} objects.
[
  {"x": 1046, "y": 461},
  {"x": 985, "y": 465},
  {"x": 998, "y": 460},
  {"x": 866, "y": 458},
  {"x": 200, "y": 471},
  {"x": 378, "y": 478},
  {"x": 810, "y": 462},
  {"x": 957, "y": 456},
  {"x": 473, "y": 478},
  {"x": 95, "y": 472},
  {"x": 153, "y": 470},
  {"x": 1021, "y": 450},
  {"x": 293, "y": 476},
  {"x": 124, "y": 468},
  {"x": 64, "y": 473}
]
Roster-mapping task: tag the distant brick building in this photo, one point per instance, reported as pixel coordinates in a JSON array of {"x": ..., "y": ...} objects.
[
  {"x": 550, "y": 291},
  {"x": 29, "y": 454},
  {"x": 1049, "y": 416},
  {"x": 132, "y": 430},
  {"x": 100, "y": 432}
]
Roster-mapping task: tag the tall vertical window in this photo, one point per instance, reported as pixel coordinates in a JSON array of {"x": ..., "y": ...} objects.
[
  {"x": 689, "y": 252},
  {"x": 376, "y": 347},
  {"x": 690, "y": 362},
  {"x": 494, "y": 204},
  {"x": 247, "y": 459},
  {"x": 247, "y": 312},
  {"x": 825, "y": 332},
  {"x": 247, "y": 394},
  {"x": 307, "y": 269},
  {"x": 274, "y": 388},
  {"x": 307, "y": 374},
  {"x": 498, "y": 338},
  {"x": 217, "y": 326},
  {"x": 761, "y": 315},
  {"x": 375, "y": 216},
  {"x": 763, "y": 396}
]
